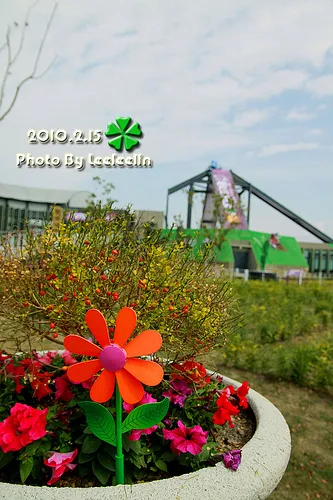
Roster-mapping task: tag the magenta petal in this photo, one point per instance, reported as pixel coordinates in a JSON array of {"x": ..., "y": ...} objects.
[
  {"x": 232, "y": 459},
  {"x": 193, "y": 448}
]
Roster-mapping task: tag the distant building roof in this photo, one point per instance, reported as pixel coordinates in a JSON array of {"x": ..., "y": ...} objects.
[
  {"x": 41, "y": 195},
  {"x": 292, "y": 256}
]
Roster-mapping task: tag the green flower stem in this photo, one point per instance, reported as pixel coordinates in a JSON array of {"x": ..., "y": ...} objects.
[{"x": 119, "y": 439}]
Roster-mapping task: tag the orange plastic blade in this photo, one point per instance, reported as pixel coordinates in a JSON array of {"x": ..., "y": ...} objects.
[
  {"x": 103, "y": 387},
  {"x": 145, "y": 343},
  {"x": 129, "y": 387},
  {"x": 98, "y": 327},
  {"x": 81, "y": 372},
  {"x": 79, "y": 345},
  {"x": 125, "y": 324},
  {"x": 147, "y": 372}
]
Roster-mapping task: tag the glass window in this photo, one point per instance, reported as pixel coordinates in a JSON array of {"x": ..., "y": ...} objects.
[
  {"x": 308, "y": 256},
  {"x": 324, "y": 261},
  {"x": 316, "y": 261},
  {"x": 331, "y": 262}
]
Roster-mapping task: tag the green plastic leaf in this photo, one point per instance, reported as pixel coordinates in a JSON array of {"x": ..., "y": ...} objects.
[
  {"x": 161, "y": 465},
  {"x": 100, "y": 421},
  {"x": 106, "y": 461},
  {"x": 91, "y": 444},
  {"x": 26, "y": 468},
  {"x": 145, "y": 416},
  {"x": 102, "y": 474}
]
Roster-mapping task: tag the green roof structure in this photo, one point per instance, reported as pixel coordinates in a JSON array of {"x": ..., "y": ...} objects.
[{"x": 290, "y": 256}]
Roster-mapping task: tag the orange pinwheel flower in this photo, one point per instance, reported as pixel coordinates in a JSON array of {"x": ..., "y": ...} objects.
[{"x": 116, "y": 358}]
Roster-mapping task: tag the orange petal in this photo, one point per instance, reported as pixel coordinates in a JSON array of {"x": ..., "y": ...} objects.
[
  {"x": 125, "y": 324},
  {"x": 98, "y": 327},
  {"x": 129, "y": 387},
  {"x": 103, "y": 387},
  {"x": 79, "y": 345},
  {"x": 145, "y": 343},
  {"x": 147, "y": 372},
  {"x": 80, "y": 372}
]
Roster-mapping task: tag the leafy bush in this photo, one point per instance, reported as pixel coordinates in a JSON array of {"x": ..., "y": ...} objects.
[
  {"x": 49, "y": 283},
  {"x": 286, "y": 332}
]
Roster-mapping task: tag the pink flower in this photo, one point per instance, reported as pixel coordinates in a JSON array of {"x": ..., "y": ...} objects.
[
  {"x": 68, "y": 358},
  {"x": 135, "y": 435},
  {"x": 60, "y": 462},
  {"x": 24, "y": 425},
  {"x": 87, "y": 384},
  {"x": 47, "y": 358},
  {"x": 185, "y": 439},
  {"x": 63, "y": 389},
  {"x": 178, "y": 392},
  {"x": 147, "y": 398}
]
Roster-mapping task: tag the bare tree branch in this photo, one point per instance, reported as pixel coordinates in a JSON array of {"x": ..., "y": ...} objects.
[
  {"x": 11, "y": 60},
  {"x": 25, "y": 24}
]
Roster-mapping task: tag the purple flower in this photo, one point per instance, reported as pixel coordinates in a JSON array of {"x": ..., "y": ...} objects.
[
  {"x": 232, "y": 459},
  {"x": 178, "y": 392}
]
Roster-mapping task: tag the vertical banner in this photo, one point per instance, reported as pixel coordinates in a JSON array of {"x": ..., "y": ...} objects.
[{"x": 231, "y": 212}]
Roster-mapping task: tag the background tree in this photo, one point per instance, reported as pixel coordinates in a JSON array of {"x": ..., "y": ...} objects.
[{"x": 13, "y": 56}]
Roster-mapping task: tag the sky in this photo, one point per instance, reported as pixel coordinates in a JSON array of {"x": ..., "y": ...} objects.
[{"x": 248, "y": 84}]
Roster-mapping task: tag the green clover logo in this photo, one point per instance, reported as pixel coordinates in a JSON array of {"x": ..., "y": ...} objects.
[{"x": 122, "y": 132}]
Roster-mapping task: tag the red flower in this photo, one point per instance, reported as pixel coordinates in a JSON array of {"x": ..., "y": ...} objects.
[
  {"x": 242, "y": 392},
  {"x": 60, "y": 462},
  {"x": 24, "y": 425},
  {"x": 226, "y": 408},
  {"x": 63, "y": 389},
  {"x": 224, "y": 413},
  {"x": 16, "y": 373},
  {"x": 191, "y": 371},
  {"x": 40, "y": 385}
]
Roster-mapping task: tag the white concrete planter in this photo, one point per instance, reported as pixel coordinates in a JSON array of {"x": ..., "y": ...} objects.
[{"x": 264, "y": 461}]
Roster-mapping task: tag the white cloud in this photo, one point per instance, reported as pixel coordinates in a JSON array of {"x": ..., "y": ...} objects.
[
  {"x": 321, "y": 86},
  {"x": 316, "y": 131},
  {"x": 298, "y": 115},
  {"x": 250, "y": 118},
  {"x": 285, "y": 148}
]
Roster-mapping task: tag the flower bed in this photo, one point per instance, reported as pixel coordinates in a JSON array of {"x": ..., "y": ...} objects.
[
  {"x": 264, "y": 460},
  {"x": 43, "y": 433}
]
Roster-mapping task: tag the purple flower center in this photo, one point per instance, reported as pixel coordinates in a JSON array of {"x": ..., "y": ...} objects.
[{"x": 113, "y": 358}]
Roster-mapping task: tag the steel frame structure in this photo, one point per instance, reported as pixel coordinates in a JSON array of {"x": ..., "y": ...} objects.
[{"x": 202, "y": 183}]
